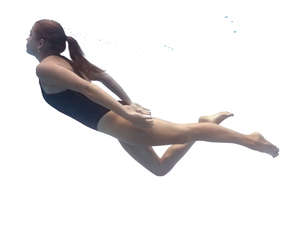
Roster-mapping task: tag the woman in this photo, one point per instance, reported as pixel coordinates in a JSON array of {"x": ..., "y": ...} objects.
[{"x": 66, "y": 85}]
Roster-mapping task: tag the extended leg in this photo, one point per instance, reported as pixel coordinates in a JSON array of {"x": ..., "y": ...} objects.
[
  {"x": 166, "y": 133},
  {"x": 148, "y": 158}
]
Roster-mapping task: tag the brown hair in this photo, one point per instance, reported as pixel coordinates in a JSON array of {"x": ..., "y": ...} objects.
[{"x": 54, "y": 33}]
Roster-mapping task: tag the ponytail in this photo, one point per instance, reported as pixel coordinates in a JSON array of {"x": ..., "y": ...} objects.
[{"x": 80, "y": 64}]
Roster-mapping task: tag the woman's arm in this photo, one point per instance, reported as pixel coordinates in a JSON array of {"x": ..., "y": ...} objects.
[
  {"x": 108, "y": 81},
  {"x": 111, "y": 84},
  {"x": 60, "y": 76},
  {"x": 96, "y": 94},
  {"x": 129, "y": 112}
]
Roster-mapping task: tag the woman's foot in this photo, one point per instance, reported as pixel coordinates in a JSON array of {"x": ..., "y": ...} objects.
[
  {"x": 259, "y": 143},
  {"x": 216, "y": 118},
  {"x": 262, "y": 145}
]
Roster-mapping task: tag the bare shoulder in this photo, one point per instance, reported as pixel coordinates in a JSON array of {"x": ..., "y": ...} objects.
[
  {"x": 67, "y": 63},
  {"x": 56, "y": 74},
  {"x": 61, "y": 61}
]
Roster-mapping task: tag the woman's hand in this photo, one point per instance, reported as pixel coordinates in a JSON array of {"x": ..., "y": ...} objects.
[
  {"x": 141, "y": 109},
  {"x": 138, "y": 115}
]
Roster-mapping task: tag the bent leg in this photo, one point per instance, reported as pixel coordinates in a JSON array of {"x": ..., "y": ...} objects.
[
  {"x": 172, "y": 155},
  {"x": 145, "y": 155}
]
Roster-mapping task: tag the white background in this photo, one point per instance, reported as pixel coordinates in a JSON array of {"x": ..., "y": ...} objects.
[{"x": 181, "y": 59}]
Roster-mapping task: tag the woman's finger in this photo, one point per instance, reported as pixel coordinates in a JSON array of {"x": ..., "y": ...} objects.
[
  {"x": 146, "y": 108},
  {"x": 141, "y": 106},
  {"x": 143, "y": 111},
  {"x": 147, "y": 117},
  {"x": 147, "y": 112}
]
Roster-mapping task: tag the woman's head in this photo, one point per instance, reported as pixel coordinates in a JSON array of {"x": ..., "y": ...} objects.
[{"x": 48, "y": 37}]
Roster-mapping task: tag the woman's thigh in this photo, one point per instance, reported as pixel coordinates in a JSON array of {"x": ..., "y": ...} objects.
[{"x": 160, "y": 133}]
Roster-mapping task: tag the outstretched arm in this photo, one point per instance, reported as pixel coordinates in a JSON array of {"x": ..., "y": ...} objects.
[
  {"x": 60, "y": 76},
  {"x": 111, "y": 84}
]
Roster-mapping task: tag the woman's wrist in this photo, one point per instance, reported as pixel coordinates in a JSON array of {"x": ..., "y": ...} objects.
[{"x": 125, "y": 112}]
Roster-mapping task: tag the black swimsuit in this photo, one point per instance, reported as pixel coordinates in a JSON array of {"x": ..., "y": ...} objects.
[{"x": 77, "y": 106}]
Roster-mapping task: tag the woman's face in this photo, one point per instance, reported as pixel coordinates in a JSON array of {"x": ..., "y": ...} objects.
[{"x": 32, "y": 43}]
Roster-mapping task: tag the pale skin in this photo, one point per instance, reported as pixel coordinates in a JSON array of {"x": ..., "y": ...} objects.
[
  {"x": 160, "y": 166},
  {"x": 133, "y": 126}
]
